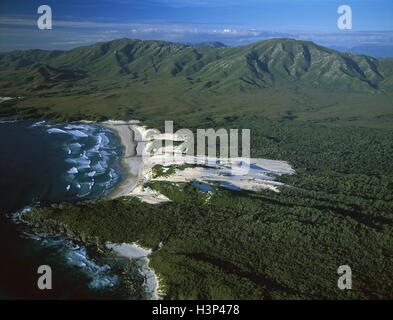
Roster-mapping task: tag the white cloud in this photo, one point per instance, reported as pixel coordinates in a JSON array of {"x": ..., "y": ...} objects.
[{"x": 19, "y": 33}]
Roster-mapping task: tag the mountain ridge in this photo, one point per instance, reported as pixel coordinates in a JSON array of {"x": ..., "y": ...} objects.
[
  {"x": 260, "y": 62},
  {"x": 210, "y": 44},
  {"x": 300, "y": 70}
]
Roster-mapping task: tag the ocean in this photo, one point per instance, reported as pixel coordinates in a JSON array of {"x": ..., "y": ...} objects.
[{"x": 42, "y": 164}]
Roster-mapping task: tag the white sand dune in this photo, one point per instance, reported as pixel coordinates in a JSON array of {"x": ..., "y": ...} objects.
[
  {"x": 234, "y": 173},
  {"x": 2, "y": 99},
  {"x": 148, "y": 195},
  {"x": 132, "y": 251}
]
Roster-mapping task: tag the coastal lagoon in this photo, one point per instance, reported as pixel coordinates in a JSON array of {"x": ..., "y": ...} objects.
[{"x": 42, "y": 164}]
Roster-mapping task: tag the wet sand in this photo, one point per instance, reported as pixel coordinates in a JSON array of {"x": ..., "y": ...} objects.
[{"x": 130, "y": 161}]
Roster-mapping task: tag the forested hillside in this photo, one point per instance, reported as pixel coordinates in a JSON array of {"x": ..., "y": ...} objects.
[{"x": 125, "y": 78}]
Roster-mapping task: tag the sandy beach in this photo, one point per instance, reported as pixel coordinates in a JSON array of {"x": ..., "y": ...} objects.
[
  {"x": 134, "y": 251},
  {"x": 130, "y": 161}
]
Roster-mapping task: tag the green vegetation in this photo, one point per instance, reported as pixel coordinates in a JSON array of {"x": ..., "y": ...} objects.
[
  {"x": 125, "y": 78},
  {"x": 158, "y": 171},
  {"x": 329, "y": 114},
  {"x": 245, "y": 245}
]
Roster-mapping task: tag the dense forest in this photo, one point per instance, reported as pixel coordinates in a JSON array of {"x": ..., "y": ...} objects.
[{"x": 267, "y": 245}]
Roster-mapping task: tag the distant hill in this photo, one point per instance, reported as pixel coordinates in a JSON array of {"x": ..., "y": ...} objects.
[
  {"x": 127, "y": 77},
  {"x": 210, "y": 44}
]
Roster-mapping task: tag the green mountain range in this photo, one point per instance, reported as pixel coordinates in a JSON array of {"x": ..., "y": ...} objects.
[{"x": 278, "y": 78}]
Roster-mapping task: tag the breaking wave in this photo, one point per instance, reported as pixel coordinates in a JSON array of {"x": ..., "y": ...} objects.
[{"x": 93, "y": 155}]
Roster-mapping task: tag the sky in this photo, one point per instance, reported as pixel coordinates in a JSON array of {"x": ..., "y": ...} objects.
[{"x": 83, "y": 22}]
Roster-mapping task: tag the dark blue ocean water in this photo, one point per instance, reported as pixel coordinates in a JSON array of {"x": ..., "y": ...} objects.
[{"x": 40, "y": 164}]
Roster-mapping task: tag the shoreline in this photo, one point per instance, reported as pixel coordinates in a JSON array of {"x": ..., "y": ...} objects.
[
  {"x": 133, "y": 164},
  {"x": 134, "y": 251},
  {"x": 130, "y": 160}
]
